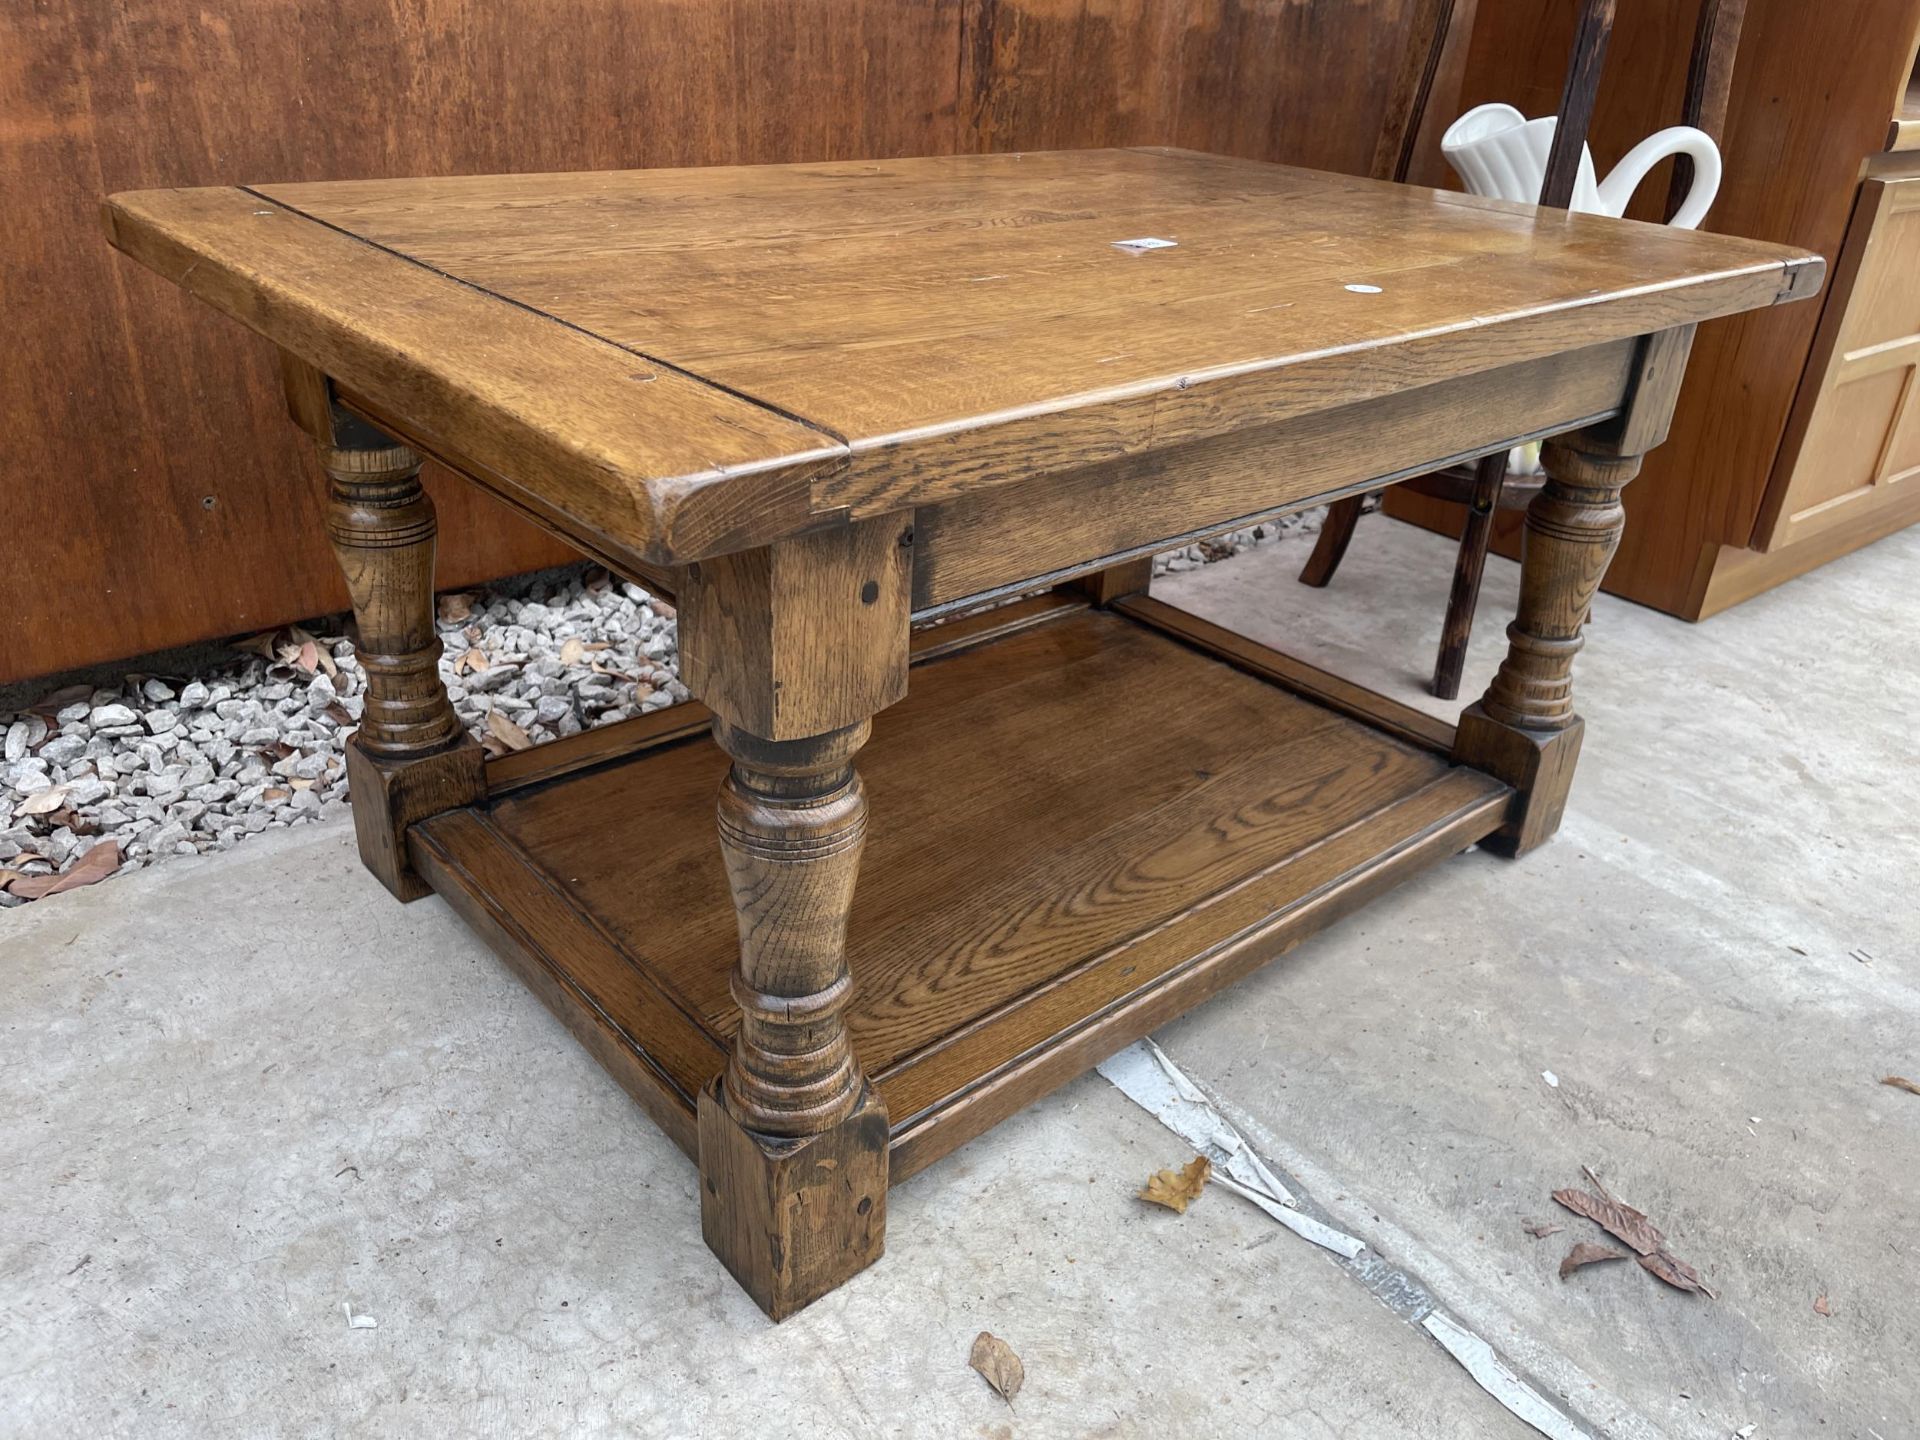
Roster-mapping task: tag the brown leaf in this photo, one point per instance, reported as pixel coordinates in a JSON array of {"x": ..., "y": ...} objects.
[
  {"x": 1676, "y": 1272},
  {"x": 78, "y": 824},
  {"x": 261, "y": 644},
  {"x": 663, "y": 609},
  {"x": 473, "y": 659},
  {"x": 275, "y": 795},
  {"x": 998, "y": 1365},
  {"x": 1822, "y": 1305},
  {"x": 1623, "y": 1222},
  {"x": 507, "y": 733},
  {"x": 337, "y": 713},
  {"x": 455, "y": 608},
  {"x": 574, "y": 650},
  {"x": 608, "y": 670},
  {"x": 1900, "y": 1082},
  {"x": 98, "y": 863},
  {"x": 44, "y": 802},
  {"x": 308, "y": 657},
  {"x": 1539, "y": 1230},
  {"x": 1176, "y": 1189},
  {"x": 1587, "y": 1253}
]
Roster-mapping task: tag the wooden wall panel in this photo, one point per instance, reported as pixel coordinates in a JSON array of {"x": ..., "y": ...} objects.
[{"x": 155, "y": 493}]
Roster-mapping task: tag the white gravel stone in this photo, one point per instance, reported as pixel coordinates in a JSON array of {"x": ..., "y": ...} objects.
[{"x": 168, "y": 767}]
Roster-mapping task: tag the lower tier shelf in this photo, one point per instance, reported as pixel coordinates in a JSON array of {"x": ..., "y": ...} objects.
[{"x": 1079, "y": 828}]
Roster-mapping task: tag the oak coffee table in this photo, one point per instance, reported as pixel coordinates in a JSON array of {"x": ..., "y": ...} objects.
[{"x": 819, "y": 404}]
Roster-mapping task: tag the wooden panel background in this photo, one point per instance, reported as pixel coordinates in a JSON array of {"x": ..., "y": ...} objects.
[
  {"x": 1809, "y": 104},
  {"x": 156, "y": 495}
]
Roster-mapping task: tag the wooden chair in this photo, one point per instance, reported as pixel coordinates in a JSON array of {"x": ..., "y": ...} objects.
[{"x": 1483, "y": 486}]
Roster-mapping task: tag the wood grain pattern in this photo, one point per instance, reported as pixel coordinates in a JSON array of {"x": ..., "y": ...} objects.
[
  {"x": 1853, "y": 441},
  {"x": 913, "y": 301},
  {"x": 804, "y": 636},
  {"x": 1524, "y": 729},
  {"x": 585, "y": 431},
  {"x": 1143, "y": 503},
  {"x": 1250, "y": 819},
  {"x": 793, "y": 1218},
  {"x": 810, "y": 341},
  {"x": 410, "y": 757},
  {"x": 149, "y": 93},
  {"x": 1342, "y": 696}
]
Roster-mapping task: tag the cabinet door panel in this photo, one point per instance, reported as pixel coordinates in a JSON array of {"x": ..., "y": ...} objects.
[{"x": 1854, "y": 440}]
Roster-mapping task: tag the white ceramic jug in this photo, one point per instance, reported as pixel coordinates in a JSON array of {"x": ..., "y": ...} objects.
[{"x": 1502, "y": 154}]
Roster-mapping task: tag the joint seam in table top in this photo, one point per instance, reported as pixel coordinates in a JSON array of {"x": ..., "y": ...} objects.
[{"x": 725, "y": 389}]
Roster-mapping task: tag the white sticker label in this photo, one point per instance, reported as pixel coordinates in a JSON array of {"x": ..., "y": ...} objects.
[{"x": 1137, "y": 247}]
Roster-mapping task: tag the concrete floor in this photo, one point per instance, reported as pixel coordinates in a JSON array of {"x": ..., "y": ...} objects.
[{"x": 239, "y": 1093}]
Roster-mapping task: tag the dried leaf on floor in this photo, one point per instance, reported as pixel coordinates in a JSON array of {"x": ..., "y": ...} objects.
[
  {"x": 663, "y": 609},
  {"x": 609, "y": 671},
  {"x": 1539, "y": 1230},
  {"x": 576, "y": 650},
  {"x": 1900, "y": 1082},
  {"x": 308, "y": 657},
  {"x": 1621, "y": 1221},
  {"x": 58, "y": 700},
  {"x": 455, "y": 608},
  {"x": 470, "y": 661},
  {"x": 1677, "y": 1273},
  {"x": 1822, "y": 1305},
  {"x": 1587, "y": 1253},
  {"x": 338, "y": 713},
  {"x": 998, "y": 1365},
  {"x": 506, "y": 732},
  {"x": 262, "y": 644},
  {"x": 275, "y": 795},
  {"x": 44, "y": 802},
  {"x": 77, "y": 823},
  {"x": 98, "y": 863},
  {"x": 1176, "y": 1189}
]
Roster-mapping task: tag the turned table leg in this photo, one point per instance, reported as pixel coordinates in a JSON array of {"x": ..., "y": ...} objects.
[
  {"x": 1524, "y": 729},
  {"x": 793, "y": 1140},
  {"x": 410, "y": 758},
  {"x": 793, "y": 648}
]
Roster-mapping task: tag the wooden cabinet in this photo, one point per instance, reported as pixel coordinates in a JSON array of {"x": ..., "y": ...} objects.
[
  {"x": 1798, "y": 432},
  {"x": 1853, "y": 446}
]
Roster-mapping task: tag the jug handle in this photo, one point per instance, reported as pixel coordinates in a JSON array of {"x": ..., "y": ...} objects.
[{"x": 1619, "y": 186}]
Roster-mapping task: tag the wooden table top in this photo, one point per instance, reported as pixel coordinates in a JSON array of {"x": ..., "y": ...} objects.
[{"x": 685, "y": 362}]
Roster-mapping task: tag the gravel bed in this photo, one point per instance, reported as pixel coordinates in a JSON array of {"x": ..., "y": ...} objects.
[{"x": 179, "y": 764}]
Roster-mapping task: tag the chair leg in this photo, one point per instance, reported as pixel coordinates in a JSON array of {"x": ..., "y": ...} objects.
[
  {"x": 1331, "y": 547},
  {"x": 1488, "y": 476}
]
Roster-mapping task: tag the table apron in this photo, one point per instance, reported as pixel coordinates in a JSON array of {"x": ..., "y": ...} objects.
[{"x": 1011, "y": 536}]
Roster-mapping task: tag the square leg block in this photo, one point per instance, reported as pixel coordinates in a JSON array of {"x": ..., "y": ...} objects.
[
  {"x": 792, "y": 1219},
  {"x": 1538, "y": 764},
  {"x": 390, "y": 795}
]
